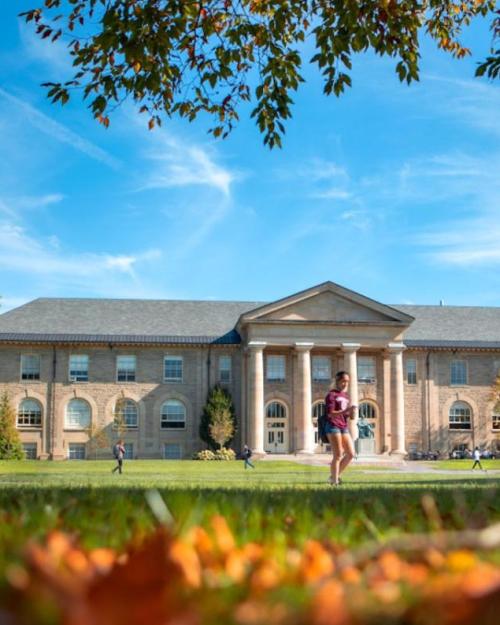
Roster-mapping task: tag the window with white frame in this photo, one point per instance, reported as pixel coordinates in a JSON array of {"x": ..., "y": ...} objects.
[
  {"x": 172, "y": 451},
  {"x": 29, "y": 414},
  {"x": 366, "y": 369},
  {"x": 78, "y": 368},
  {"x": 411, "y": 371},
  {"x": 30, "y": 367},
  {"x": 126, "y": 413},
  {"x": 367, "y": 411},
  {"x": 275, "y": 366},
  {"x": 30, "y": 451},
  {"x": 173, "y": 415},
  {"x": 276, "y": 410},
  {"x": 458, "y": 372},
  {"x": 460, "y": 417},
  {"x": 172, "y": 368},
  {"x": 225, "y": 368},
  {"x": 321, "y": 369},
  {"x": 76, "y": 451},
  {"x": 77, "y": 415},
  {"x": 129, "y": 451},
  {"x": 495, "y": 421},
  {"x": 125, "y": 368}
]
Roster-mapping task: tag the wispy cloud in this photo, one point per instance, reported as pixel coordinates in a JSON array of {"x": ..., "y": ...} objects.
[
  {"x": 21, "y": 252},
  {"x": 53, "y": 54},
  {"x": 178, "y": 164},
  {"x": 60, "y": 133}
]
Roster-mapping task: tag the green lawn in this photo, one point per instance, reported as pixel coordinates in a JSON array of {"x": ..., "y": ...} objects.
[
  {"x": 282, "y": 500},
  {"x": 185, "y": 474}
]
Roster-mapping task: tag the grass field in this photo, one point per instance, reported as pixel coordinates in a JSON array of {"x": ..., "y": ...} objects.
[{"x": 285, "y": 500}]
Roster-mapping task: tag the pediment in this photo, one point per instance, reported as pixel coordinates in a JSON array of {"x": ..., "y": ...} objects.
[{"x": 327, "y": 303}]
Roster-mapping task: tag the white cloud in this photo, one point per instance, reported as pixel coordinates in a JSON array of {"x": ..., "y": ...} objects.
[
  {"x": 42, "y": 201},
  {"x": 332, "y": 194},
  {"x": 178, "y": 164},
  {"x": 60, "y": 133},
  {"x": 22, "y": 253}
]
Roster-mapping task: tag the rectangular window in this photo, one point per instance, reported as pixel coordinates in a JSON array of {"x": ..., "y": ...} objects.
[
  {"x": 495, "y": 423},
  {"x": 30, "y": 367},
  {"x": 411, "y": 371},
  {"x": 129, "y": 451},
  {"x": 321, "y": 369},
  {"x": 275, "y": 368},
  {"x": 30, "y": 451},
  {"x": 125, "y": 368},
  {"x": 225, "y": 368},
  {"x": 172, "y": 451},
  {"x": 172, "y": 369},
  {"x": 366, "y": 369},
  {"x": 458, "y": 372},
  {"x": 78, "y": 368},
  {"x": 76, "y": 451}
]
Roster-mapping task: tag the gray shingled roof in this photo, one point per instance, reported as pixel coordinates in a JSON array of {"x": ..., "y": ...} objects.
[
  {"x": 179, "y": 321},
  {"x": 112, "y": 320},
  {"x": 453, "y": 326}
]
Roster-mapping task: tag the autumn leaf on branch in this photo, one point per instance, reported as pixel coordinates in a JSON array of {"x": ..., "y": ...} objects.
[{"x": 188, "y": 58}]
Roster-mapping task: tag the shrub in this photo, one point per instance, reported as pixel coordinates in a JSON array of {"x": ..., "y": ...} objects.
[
  {"x": 220, "y": 454},
  {"x": 206, "y": 454},
  {"x": 225, "y": 454}
]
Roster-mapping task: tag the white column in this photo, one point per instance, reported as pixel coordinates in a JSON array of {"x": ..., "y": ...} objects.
[
  {"x": 305, "y": 432},
  {"x": 398, "y": 405},
  {"x": 255, "y": 402},
  {"x": 351, "y": 366}
]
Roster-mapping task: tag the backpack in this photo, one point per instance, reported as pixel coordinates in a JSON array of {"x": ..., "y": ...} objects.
[
  {"x": 321, "y": 429},
  {"x": 248, "y": 453},
  {"x": 116, "y": 451}
]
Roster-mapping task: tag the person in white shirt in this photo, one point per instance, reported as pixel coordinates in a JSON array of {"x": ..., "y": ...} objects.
[{"x": 477, "y": 459}]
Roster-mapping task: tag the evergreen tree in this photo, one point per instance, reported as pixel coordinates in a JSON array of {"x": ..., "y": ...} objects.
[
  {"x": 218, "y": 422},
  {"x": 10, "y": 442}
]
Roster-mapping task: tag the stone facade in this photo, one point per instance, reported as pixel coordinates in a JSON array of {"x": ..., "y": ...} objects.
[{"x": 273, "y": 380}]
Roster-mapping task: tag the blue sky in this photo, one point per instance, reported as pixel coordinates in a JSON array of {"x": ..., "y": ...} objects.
[{"x": 391, "y": 191}]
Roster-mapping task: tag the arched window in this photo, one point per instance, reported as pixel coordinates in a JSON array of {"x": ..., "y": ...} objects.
[
  {"x": 77, "y": 415},
  {"x": 460, "y": 417},
  {"x": 173, "y": 415},
  {"x": 318, "y": 410},
  {"x": 29, "y": 414},
  {"x": 367, "y": 411},
  {"x": 276, "y": 410},
  {"x": 126, "y": 413}
]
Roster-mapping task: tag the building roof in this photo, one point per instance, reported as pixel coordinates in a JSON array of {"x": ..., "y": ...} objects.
[
  {"x": 453, "y": 326},
  {"x": 124, "y": 321},
  {"x": 194, "y": 322}
]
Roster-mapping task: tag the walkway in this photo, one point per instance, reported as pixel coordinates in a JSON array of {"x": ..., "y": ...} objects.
[{"x": 375, "y": 463}]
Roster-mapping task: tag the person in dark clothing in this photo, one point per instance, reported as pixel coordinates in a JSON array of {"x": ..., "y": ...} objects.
[
  {"x": 119, "y": 454},
  {"x": 247, "y": 454}
]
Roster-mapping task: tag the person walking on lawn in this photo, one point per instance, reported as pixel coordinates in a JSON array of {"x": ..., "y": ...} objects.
[
  {"x": 119, "y": 454},
  {"x": 477, "y": 459},
  {"x": 247, "y": 454},
  {"x": 338, "y": 409}
]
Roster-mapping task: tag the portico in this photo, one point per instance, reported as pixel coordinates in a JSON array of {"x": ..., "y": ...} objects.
[{"x": 290, "y": 334}]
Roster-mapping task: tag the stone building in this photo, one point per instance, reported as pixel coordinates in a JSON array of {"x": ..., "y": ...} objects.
[{"x": 422, "y": 376}]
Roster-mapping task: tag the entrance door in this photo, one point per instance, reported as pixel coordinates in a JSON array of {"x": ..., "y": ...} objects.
[
  {"x": 368, "y": 426},
  {"x": 276, "y": 433}
]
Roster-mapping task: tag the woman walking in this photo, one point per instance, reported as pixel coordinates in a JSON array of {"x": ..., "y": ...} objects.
[{"x": 337, "y": 410}]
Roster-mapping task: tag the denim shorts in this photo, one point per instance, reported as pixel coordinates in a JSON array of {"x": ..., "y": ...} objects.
[{"x": 333, "y": 429}]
